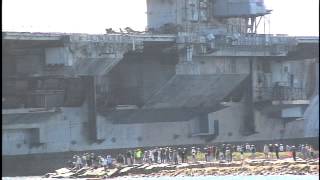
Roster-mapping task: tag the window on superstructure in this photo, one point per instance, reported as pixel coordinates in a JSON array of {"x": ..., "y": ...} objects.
[
  {"x": 193, "y": 10},
  {"x": 203, "y": 10}
]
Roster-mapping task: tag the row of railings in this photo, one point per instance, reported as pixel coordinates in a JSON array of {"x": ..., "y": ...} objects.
[{"x": 280, "y": 93}]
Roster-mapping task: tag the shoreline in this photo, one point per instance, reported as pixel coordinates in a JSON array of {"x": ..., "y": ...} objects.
[{"x": 236, "y": 168}]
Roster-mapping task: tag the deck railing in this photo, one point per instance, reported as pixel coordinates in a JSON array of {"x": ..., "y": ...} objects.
[{"x": 280, "y": 93}]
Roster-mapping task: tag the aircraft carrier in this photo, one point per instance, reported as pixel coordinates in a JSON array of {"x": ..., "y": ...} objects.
[{"x": 199, "y": 74}]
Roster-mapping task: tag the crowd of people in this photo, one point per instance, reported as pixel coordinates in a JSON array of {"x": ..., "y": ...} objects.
[{"x": 178, "y": 155}]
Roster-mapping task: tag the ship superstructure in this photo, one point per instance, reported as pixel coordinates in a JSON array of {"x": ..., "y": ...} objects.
[{"x": 200, "y": 74}]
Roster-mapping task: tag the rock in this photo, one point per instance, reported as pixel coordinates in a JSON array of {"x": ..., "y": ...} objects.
[
  {"x": 48, "y": 175},
  {"x": 313, "y": 163},
  {"x": 62, "y": 171},
  {"x": 81, "y": 171},
  {"x": 64, "y": 175},
  {"x": 112, "y": 172}
]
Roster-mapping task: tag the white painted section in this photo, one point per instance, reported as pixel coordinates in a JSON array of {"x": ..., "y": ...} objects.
[
  {"x": 293, "y": 112},
  {"x": 211, "y": 126},
  {"x": 311, "y": 116}
]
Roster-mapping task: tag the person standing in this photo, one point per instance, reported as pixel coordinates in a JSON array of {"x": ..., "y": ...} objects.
[
  {"x": 193, "y": 153},
  {"x": 145, "y": 156},
  {"x": 242, "y": 149},
  {"x": 214, "y": 149},
  {"x": 281, "y": 148},
  {"x": 232, "y": 149},
  {"x": 180, "y": 154},
  {"x": 120, "y": 159},
  {"x": 175, "y": 157},
  {"x": 228, "y": 154},
  {"x": 271, "y": 149},
  {"x": 139, "y": 155},
  {"x": 307, "y": 151},
  {"x": 170, "y": 155},
  {"x": 206, "y": 154},
  {"x": 155, "y": 155},
  {"x": 210, "y": 153},
  {"x": 92, "y": 159},
  {"x": 78, "y": 162},
  {"x": 129, "y": 161},
  {"x": 109, "y": 161},
  {"x": 198, "y": 154},
  {"x": 217, "y": 154},
  {"x": 167, "y": 154},
  {"x": 88, "y": 158},
  {"x": 311, "y": 152},
  {"x": 162, "y": 154},
  {"x": 183, "y": 155},
  {"x": 253, "y": 151},
  {"x": 293, "y": 150},
  {"x": 287, "y": 148},
  {"x": 248, "y": 147},
  {"x": 84, "y": 159},
  {"x": 266, "y": 151},
  {"x": 224, "y": 151},
  {"x": 276, "y": 149}
]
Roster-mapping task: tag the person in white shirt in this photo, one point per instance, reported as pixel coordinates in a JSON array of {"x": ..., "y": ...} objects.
[
  {"x": 78, "y": 162},
  {"x": 193, "y": 152},
  {"x": 248, "y": 147},
  {"x": 281, "y": 148}
]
